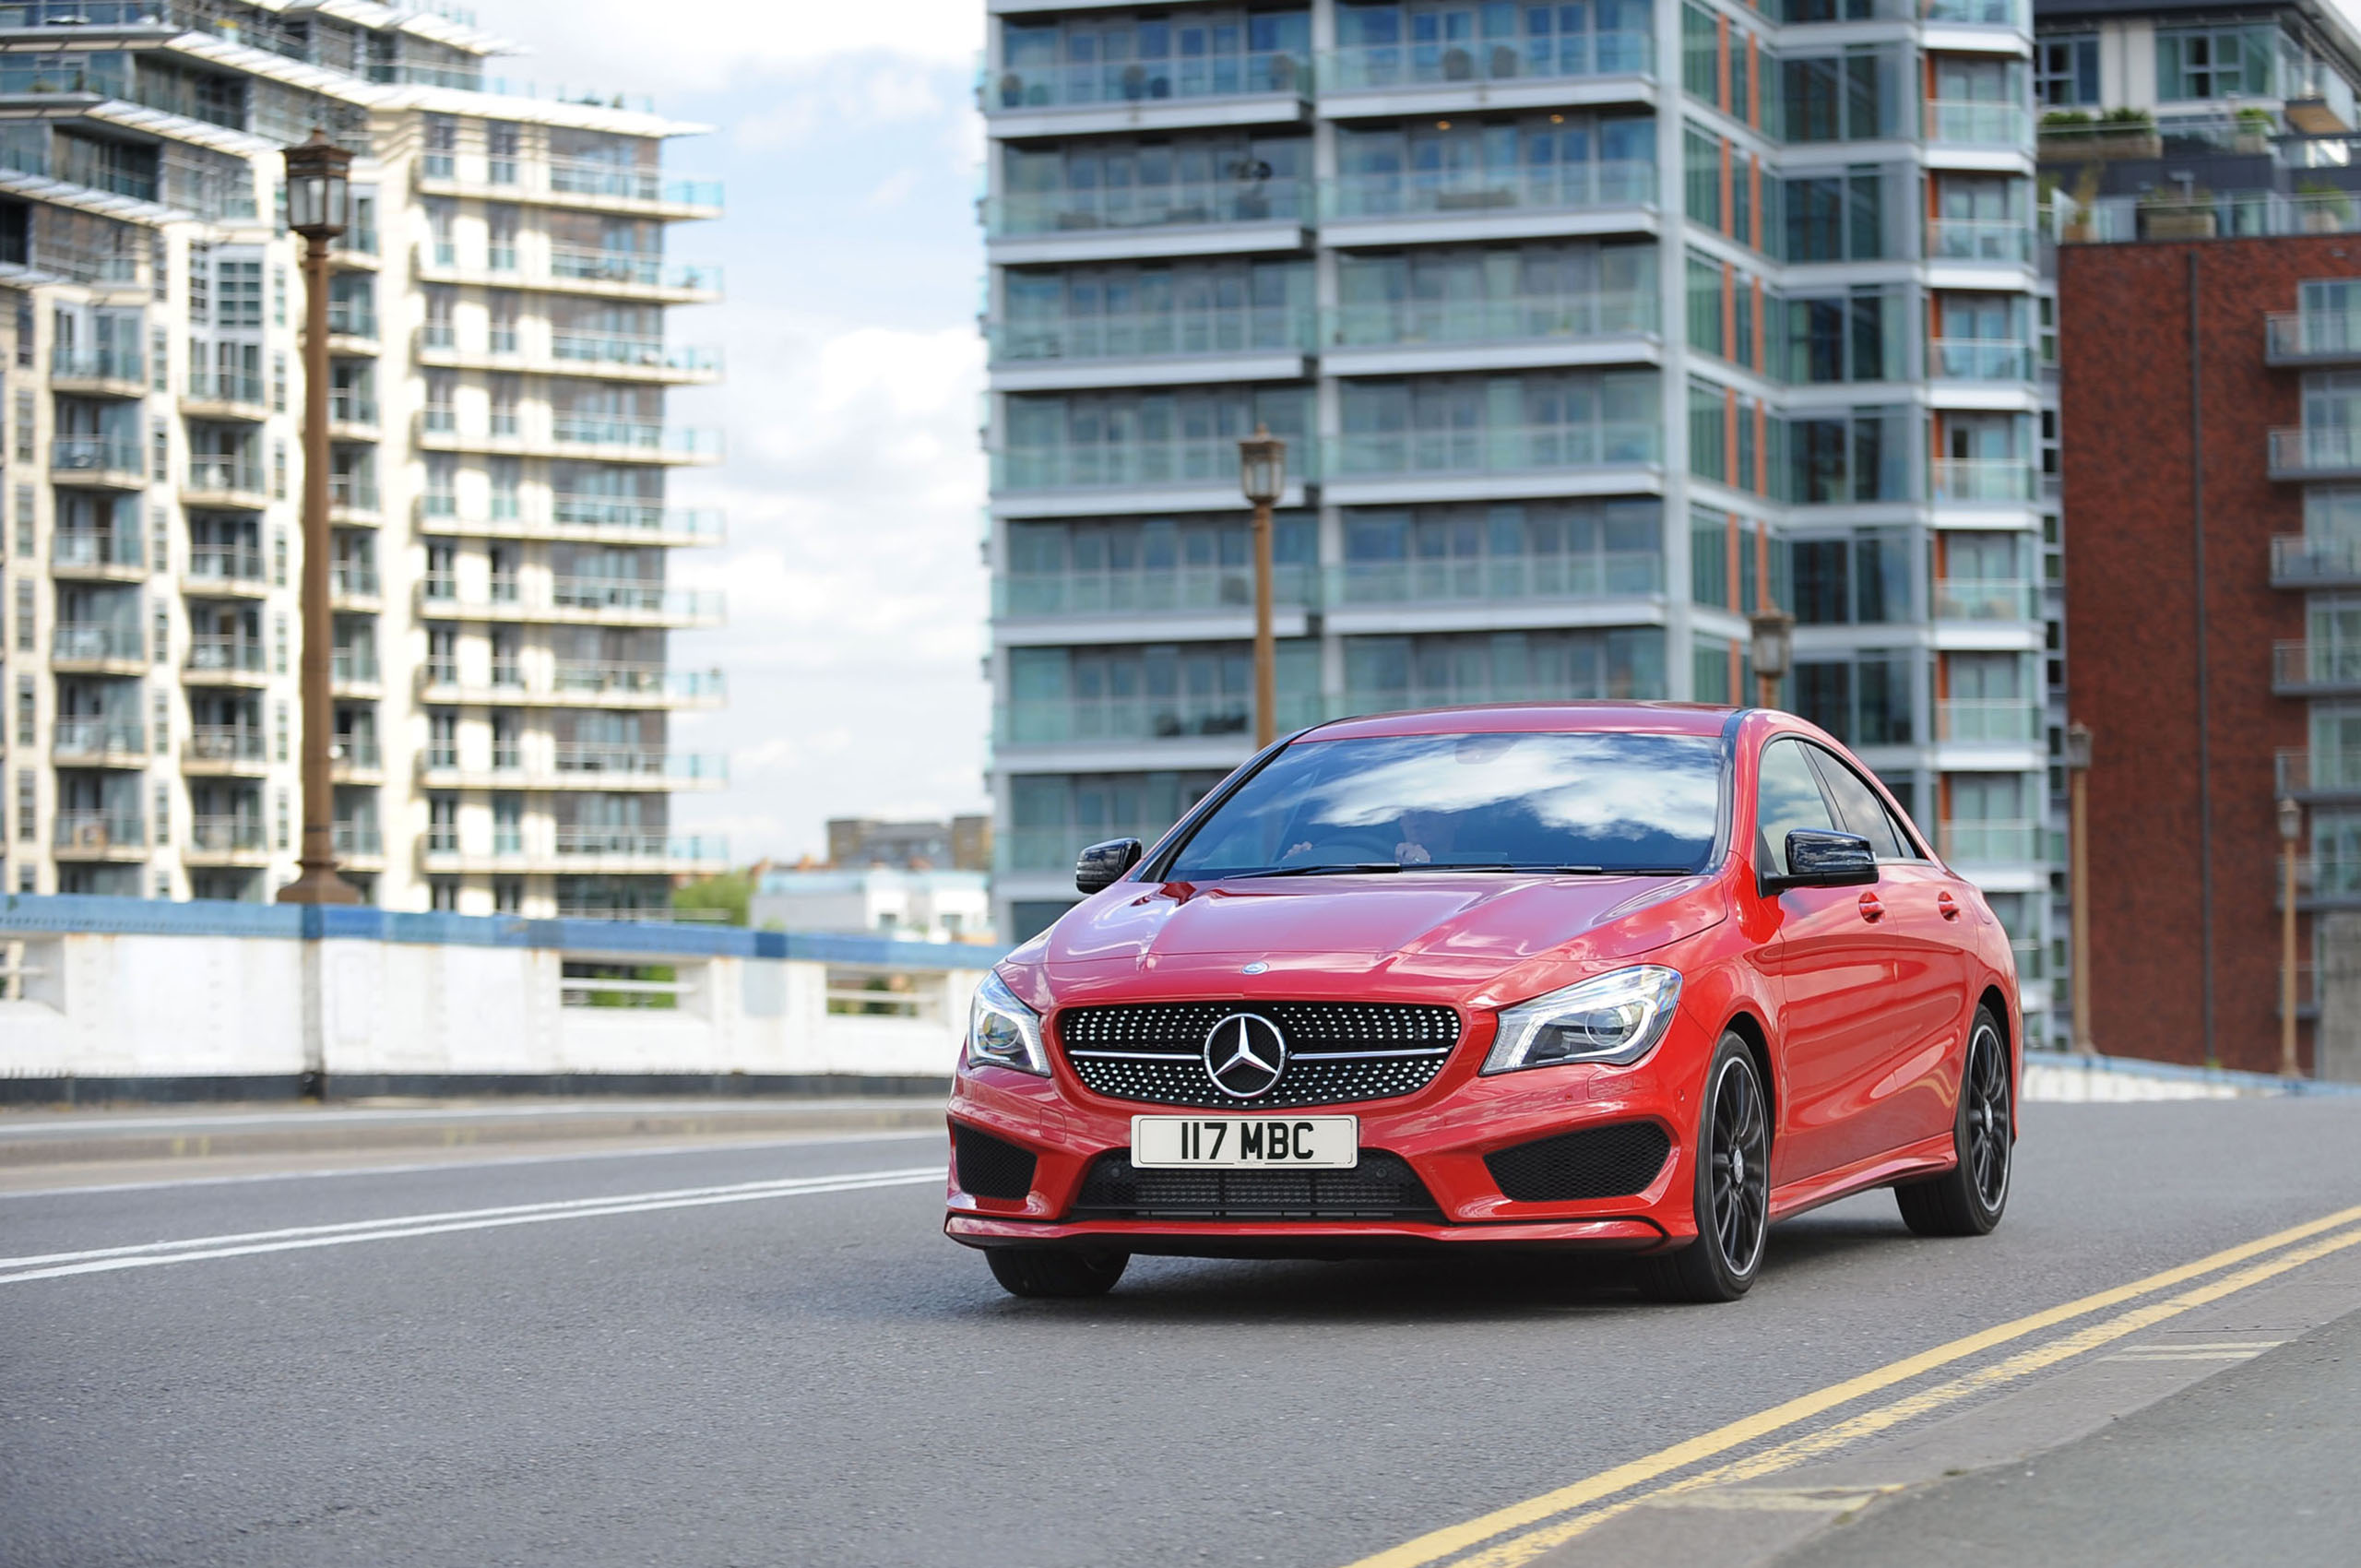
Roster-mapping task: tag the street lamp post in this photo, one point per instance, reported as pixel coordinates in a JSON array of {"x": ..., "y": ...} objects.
[
  {"x": 2078, "y": 774},
  {"x": 1261, "y": 475},
  {"x": 2291, "y": 831},
  {"x": 1773, "y": 638},
  {"x": 318, "y": 198}
]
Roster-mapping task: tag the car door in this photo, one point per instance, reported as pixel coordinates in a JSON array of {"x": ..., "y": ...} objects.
[
  {"x": 1902, "y": 1093},
  {"x": 1828, "y": 967}
]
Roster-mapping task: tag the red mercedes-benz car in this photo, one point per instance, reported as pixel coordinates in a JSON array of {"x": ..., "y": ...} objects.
[{"x": 1637, "y": 975}]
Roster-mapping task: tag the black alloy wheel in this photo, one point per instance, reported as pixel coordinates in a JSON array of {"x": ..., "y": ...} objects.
[
  {"x": 1733, "y": 1191},
  {"x": 1967, "y": 1199},
  {"x": 1052, "y": 1273}
]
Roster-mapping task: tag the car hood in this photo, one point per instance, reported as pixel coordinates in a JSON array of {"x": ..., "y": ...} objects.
[{"x": 1340, "y": 935}]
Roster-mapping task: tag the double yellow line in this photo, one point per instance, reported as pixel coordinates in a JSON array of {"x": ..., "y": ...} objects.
[{"x": 1517, "y": 1534}]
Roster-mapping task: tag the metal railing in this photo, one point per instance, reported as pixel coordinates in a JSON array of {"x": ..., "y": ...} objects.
[
  {"x": 97, "y": 737},
  {"x": 1987, "y": 720},
  {"x": 242, "y": 655},
  {"x": 226, "y": 835},
  {"x": 2006, "y": 239},
  {"x": 635, "y": 268},
  {"x": 359, "y": 838},
  {"x": 211, "y": 385},
  {"x": 1174, "y": 334},
  {"x": 617, "y": 593},
  {"x": 1980, "y": 598},
  {"x": 1438, "y": 64},
  {"x": 601, "y": 512},
  {"x": 225, "y": 743},
  {"x": 1207, "y": 204},
  {"x": 99, "y": 830},
  {"x": 2313, "y": 334},
  {"x": 637, "y": 762},
  {"x": 1401, "y": 323},
  {"x": 592, "y": 430},
  {"x": 1212, "y": 461},
  {"x": 357, "y": 751},
  {"x": 354, "y": 666},
  {"x": 1129, "y": 82},
  {"x": 2316, "y": 449},
  {"x": 639, "y": 844},
  {"x": 352, "y": 580},
  {"x": 1552, "y": 187},
  {"x": 650, "y": 680},
  {"x": 1976, "y": 13},
  {"x": 1513, "y": 449},
  {"x": 645, "y": 354},
  {"x": 1969, "y": 359},
  {"x": 2297, "y": 558},
  {"x": 355, "y": 493},
  {"x": 97, "y": 364},
  {"x": 224, "y": 476},
  {"x": 96, "y": 453},
  {"x": 1065, "y": 720},
  {"x": 2301, "y": 662},
  {"x": 1983, "y": 479},
  {"x": 1992, "y": 843},
  {"x": 1055, "y": 848},
  {"x": 1152, "y": 591},
  {"x": 94, "y": 547},
  {"x": 630, "y": 182},
  {"x": 349, "y": 405},
  {"x": 91, "y": 642},
  {"x": 348, "y": 318},
  {"x": 1606, "y": 574},
  {"x": 1978, "y": 125}
]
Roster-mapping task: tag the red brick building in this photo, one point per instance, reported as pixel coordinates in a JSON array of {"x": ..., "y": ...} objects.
[{"x": 2211, "y": 420}]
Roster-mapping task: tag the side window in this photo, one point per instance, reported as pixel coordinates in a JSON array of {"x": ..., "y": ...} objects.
[
  {"x": 1858, "y": 804},
  {"x": 1787, "y": 796}
]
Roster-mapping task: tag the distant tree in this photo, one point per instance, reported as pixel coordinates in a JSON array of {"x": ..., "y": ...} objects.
[{"x": 726, "y": 897}]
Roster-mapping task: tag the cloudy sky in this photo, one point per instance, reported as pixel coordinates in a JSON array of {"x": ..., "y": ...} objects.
[{"x": 847, "y": 136}]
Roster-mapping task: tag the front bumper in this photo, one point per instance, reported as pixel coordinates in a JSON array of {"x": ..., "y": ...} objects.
[{"x": 1443, "y": 1131}]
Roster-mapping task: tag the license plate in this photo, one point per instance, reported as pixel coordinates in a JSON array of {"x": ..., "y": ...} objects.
[{"x": 1302, "y": 1143}]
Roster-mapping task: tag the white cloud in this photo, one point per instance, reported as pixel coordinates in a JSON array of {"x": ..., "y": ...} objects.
[{"x": 710, "y": 44}]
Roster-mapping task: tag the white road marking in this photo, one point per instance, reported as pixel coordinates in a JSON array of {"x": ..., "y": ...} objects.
[
  {"x": 408, "y": 1168},
  {"x": 195, "y": 1249},
  {"x": 69, "y": 1127}
]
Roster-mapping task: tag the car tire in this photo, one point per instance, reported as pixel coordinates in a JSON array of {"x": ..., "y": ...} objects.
[
  {"x": 1044, "y": 1272},
  {"x": 1733, "y": 1187},
  {"x": 1968, "y": 1199}
]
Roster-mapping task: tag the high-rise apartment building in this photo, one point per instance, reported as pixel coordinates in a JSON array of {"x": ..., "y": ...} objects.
[
  {"x": 498, "y": 444},
  {"x": 1591, "y": 329}
]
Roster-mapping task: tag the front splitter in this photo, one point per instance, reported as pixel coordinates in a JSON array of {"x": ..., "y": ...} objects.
[{"x": 1301, "y": 1239}]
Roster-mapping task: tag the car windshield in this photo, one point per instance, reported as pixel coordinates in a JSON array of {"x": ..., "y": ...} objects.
[{"x": 1573, "y": 802}]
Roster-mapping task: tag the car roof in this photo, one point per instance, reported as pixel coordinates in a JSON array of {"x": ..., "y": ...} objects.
[{"x": 1536, "y": 718}]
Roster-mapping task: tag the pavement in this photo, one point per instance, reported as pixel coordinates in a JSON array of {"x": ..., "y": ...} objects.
[{"x": 734, "y": 1347}]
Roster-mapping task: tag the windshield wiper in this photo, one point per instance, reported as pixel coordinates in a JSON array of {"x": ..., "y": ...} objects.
[
  {"x": 1538, "y": 870},
  {"x": 1313, "y": 871}
]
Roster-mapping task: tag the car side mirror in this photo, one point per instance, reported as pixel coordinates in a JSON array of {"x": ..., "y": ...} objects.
[
  {"x": 1103, "y": 866},
  {"x": 1817, "y": 858}
]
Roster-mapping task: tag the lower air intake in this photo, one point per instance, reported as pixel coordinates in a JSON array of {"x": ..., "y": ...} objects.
[
  {"x": 1381, "y": 1187},
  {"x": 1613, "y": 1161},
  {"x": 989, "y": 1167}
]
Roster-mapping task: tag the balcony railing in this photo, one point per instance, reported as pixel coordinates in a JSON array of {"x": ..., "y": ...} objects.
[
  {"x": 633, "y": 267},
  {"x": 237, "y": 655},
  {"x": 350, "y": 406},
  {"x": 1975, "y": 13},
  {"x": 1987, "y": 720},
  {"x": 359, "y": 838},
  {"x": 1969, "y": 359},
  {"x": 1990, "y": 480},
  {"x": 638, "y": 762},
  {"x": 230, "y": 564},
  {"x": 2300, "y": 559},
  {"x": 645, "y": 680},
  {"x": 1992, "y": 843},
  {"x": 1611, "y": 574},
  {"x": 2302, "y": 772},
  {"x": 1513, "y": 449},
  {"x": 644, "y": 354},
  {"x": 630, "y": 182},
  {"x": 1961, "y": 124},
  {"x": 1121, "y": 464},
  {"x": 1404, "y": 323},
  {"x": 225, "y": 743},
  {"x": 92, "y": 642},
  {"x": 604, "y": 512},
  {"x": 348, "y": 319},
  {"x": 100, "y": 830},
  {"x": 1055, "y": 848},
  {"x": 2316, "y": 449},
  {"x": 94, "y": 547},
  {"x": 1473, "y": 193},
  {"x": 1452, "y": 65},
  {"x": 1213, "y": 202},
  {"x": 354, "y": 666},
  {"x": 638, "y": 844},
  {"x": 352, "y": 580},
  {"x": 588, "y": 430},
  {"x": 1165, "y": 334},
  {"x": 1986, "y": 598},
  {"x": 2314, "y": 334},
  {"x": 1124, "y": 83},
  {"x": 215, "y": 385},
  {"x": 83, "y": 14},
  {"x": 616, "y": 593},
  {"x": 224, "y": 476},
  {"x": 353, "y": 493},
  {"x": 1151, "y": 591},
  {"x": 82, "y": 737},
  {"x": 1063, "y": 720},
  {"x": 357, "y": 751},
  {"x": 2003, "y": 240},
  {"x": 97, "y": 364},
  {"x": 226, "y": 835},
  {"x": 97, "y": 454}
]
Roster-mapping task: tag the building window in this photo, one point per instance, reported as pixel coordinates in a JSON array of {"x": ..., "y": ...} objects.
[
  {"x": 2209, "y": 63},
  {"x": 441, "y": 145},
  {"x": 160, "y": 360},
  {"x": 279, "y": 643},
  {"x": 503, "y": 139},
  {"x": 279, "y": 556},
  {"x": 28, "y": 715},
  {"x": 164, "y": 824},
  {"x": 507, "y": 896},
  {"x": 28, "y": 808},
  {"x": 442, "y": 570},
  {"x": 279, "y": 738},
  {"x": 163, "y": 650},
  {"x": 2066, "y": 71},
  {"x": 508, "y": 825},
  {"x": 278, "y": 468},
  {"x": 442, "y": 739},
  {"x": 25, "y": 519},
  {"x": 281, "y": 804},
  {"x": 161, "y": 717},
  {"x": 24, "y": 433},
  {"x": 446, "y": 895},
  {"x": 443, "y": 655},
  {"x": 442, "y": 824},
  {"x": 278, "y": 381},
  {"x": 238, "y": 293},
  {"x": 24, "y": 615},
  {"x": 277, "y": 295}
]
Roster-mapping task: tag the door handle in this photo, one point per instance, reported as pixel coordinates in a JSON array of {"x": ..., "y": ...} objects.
[
  {"x": 1871, "y": 911},
  {"x": 1948, "y": 905}
]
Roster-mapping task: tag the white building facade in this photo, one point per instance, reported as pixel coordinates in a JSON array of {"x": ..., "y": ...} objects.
[
  {"x": 499, "y": 452},
  {"x": 1591, "y": 329}
]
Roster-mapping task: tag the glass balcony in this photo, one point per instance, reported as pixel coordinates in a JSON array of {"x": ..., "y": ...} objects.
[
  {"x": 585, "y": 429},
  {"x": 226, "y": 743},
  {"x": 1978, "y": 13},
  {"x": 1152, "y": 591},
  {"x": 226, "y": 835},
  {"x": 1167, "y": 335},
  {"x": 88, "y": 830},
  {"x": 601, "y": 512},
  {"x": 1055, "y": 848},
  {"x": 644, "y": 354},
  {"x": 352, "y": 318},
  {"x": 96, "y": 455},
  {"x": 639, "y": 679},
  {"x": 354, "y": 666},
  {"x": 1987, "y": 720},
  {"x": 1116, "y": 464},
  {"x": 359, "y": 838},
  {"x": 92, "y": 548},
  {"x": 1126, "y": 82},
  {"x": 1957, "y": 124},
  {"x": 1438, "y": 63},
  {"x": 2003, "y": 240},
  {"x": 2302, "y": 772},
  {"x": 83, "y": 14},
  {"x": 2313, "y": 335},
  {"x": 227, "y": 654},
  {"x": 1510, "y": 449},
  {"x": 2316, "y": 450},
  {"x": 357, "y": 751},
  {"x": 630, "y": 182},
  {"x": 1495, "y": 579},
  {"x": 1404, "y": 322},
  {"x": 1972, "y": 358},
  {"x": 352, "y": 580},
  {"x": 635, "y": 268},
  {"x": 2297, "y": 559},
  {"x": 1992, "y": 843},
  {"x": 1153, "y": 207},
  {"x": 1559, "y": 187},
  {"x": 1983, "y": 479},
  {"x": 637, "y": 762},
  {"x": 349, "y": 405},
  {"x": 617, "y": 593},
  {"x": 639, "y": 844},
  {"x": 1986, "y": 598},
  {"x": 224, "y": 476},
  {"x": 1067, "y": 720},
  {"x": 208, "y": 384},
  {"x": 97, "y": 364},
  {"x": 352, "y": 492},
  {"x": 89, "y": 738},
  {"x": 95, "y": 642}
]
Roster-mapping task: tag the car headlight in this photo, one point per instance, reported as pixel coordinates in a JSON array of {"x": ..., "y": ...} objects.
[
  {"x": 1003, "y": 1032},
  {"x": 1614, "y": 1018}
]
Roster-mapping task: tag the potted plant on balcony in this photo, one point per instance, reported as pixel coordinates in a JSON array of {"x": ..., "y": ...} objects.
[
  {"x": 2255, "y": 127},
  {"x": 2179, "y": 214},
  {"x": 2323, "y": 209}
]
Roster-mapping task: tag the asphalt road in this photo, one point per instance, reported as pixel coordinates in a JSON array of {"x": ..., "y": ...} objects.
[{"x": 803, "y": 1371}]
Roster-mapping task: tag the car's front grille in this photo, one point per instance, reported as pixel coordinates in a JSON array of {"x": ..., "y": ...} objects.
[
  {"x": 1383, "y": 1186},
  {"x": 1337, "y": 1052},
  {"x": 989, "y": 1167},
  {"x": 1613, "y": 1161}
]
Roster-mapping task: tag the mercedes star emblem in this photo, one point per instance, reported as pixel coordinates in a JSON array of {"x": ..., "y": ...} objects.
[{"x": 1245, "y": 1054}]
